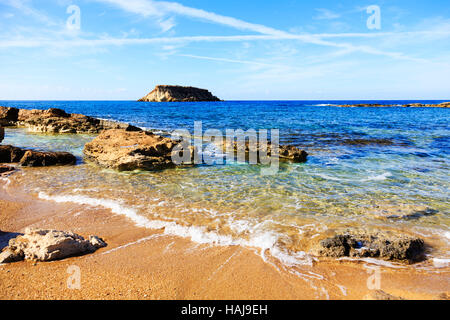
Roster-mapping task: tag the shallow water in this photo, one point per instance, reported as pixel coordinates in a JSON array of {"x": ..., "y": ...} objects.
[{"x": 365, "y": 165}]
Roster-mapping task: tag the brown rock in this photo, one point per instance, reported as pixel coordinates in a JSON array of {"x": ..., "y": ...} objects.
[
  {"x": 8, "y": 116},
  {"x": 58, "y": 121},
  {"x": 6, "y": 169},
  {"x": 47, "y": 245},
  {"x": 2, "y": 133},
  {"x": 45, "y": 159},
  {"x": 10, "y": 154},
  {"x": 30, "y": 158},
  {"x": 377, "y": 245},
  {"x": 126, "y": 151},
  {"x": 178, "y": 94}
]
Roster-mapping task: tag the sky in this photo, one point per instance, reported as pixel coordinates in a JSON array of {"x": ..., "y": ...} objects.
[{"x": 237, "y": 49}]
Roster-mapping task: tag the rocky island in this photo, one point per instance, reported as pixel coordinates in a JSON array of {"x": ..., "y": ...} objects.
[{"x": 178, "y": 94}]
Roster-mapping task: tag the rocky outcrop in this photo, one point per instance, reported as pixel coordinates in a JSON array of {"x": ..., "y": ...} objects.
[
  {"x": 58, "y": 121},
  {"x": 378, "y": 245},
  {"x": 30, "y": 158},
  {"x": 126, "y": 151},
  {"x": 8, "y": 116},
  {"x": 178, "y": 94},
  {"x": 409, "y": 105},
  {"x": 48, "y": 245},
  {"x": 5, "y": 170},
  {"x": 285, "y": 152}
]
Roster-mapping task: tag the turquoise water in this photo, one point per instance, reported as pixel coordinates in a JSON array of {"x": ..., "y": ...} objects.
[{"x": 365, "y": 165}]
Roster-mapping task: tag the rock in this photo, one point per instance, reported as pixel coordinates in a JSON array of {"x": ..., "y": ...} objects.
[
  {"x": 286, "y": 152},
  {"x": 45, "y": 159},
  {"x": 378, "y": 245},
  {"x": 2, "y": 133},
  {"x": 58, "y": 121},
  {"x": 409, "y": 105},
  {"x": 126, "y": 151},
  {"x": 8, "y": 256},
  {"x": 8, "y": 116},
  {"x": 178, "y": 94},
  {"x": 10, "y": 154},
  {"x": 30, "y": 158},
  {"x": 6, "y": 169},
  {"x": 48, "y": 245}
]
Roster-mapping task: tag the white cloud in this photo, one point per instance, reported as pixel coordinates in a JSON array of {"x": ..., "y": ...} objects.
[{"x": 325, "y": 14}]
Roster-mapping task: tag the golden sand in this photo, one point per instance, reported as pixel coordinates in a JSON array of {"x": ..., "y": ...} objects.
[{"x": 146, "y": 264}]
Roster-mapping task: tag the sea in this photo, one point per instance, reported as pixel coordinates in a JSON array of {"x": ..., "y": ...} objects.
[{"x": 371, "y": 169}]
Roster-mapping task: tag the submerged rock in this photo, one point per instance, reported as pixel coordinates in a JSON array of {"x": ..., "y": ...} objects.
[
  {"x": 30, "y": 158},
  {"x": 378, "y": 245},
  {"x": 6, "y": 170},
  {"x": 47, "y": 245},
  {"x": 286, "y": 152},
  {"x": 45, "y": 159},
  {"x": 178, "y": 94},
  {"x": 127, "y": 151}
]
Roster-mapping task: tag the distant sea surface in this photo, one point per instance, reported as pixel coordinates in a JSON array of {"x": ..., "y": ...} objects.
[{"x": 370, "y": 168}]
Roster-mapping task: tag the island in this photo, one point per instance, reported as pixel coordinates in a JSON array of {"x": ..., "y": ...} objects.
[{"x": 164, "y": 93}]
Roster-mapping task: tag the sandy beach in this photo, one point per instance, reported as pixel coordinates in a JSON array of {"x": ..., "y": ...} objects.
[{"x": 146, "y": 264}]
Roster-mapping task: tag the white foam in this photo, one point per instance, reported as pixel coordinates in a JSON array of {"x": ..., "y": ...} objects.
[
  {"x": 441, "y": 263},
  {"x": 380, "y": 177},
  {"x": 263, "y": 240}
]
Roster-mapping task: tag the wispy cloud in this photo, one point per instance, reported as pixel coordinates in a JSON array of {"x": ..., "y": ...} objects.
[
  {"x": 25, "y": 8},
  {"x": 325, "y": 14}
]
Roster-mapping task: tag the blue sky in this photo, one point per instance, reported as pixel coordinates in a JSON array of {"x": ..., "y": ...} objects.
[{"x": 246, "y": 49}]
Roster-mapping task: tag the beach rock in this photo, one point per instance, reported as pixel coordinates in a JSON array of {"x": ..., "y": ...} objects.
[
  {"x": 30, "y": 158},
  {"x": 2, "y": 133},
  {"x": 10, "y": 154},
  {"x": 178, "y": 94},
  {"x": 8, "y": 116},
  {"x": 286, "y": 152},
  {"x": 127, "y": 151},
  {"x": 58, "y": 121},
  {"x": 6, "y": 169},
  {"x": 45, "y": 159},
  {"x": 48, "y": 245},
  {"x": 378, "y": 245}
]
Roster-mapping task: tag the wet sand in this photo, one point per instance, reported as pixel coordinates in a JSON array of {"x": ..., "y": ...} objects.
[{"x": 146, "y": 264}]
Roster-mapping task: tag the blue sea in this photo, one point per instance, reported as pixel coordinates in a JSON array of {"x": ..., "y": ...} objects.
[{"x": 368, "y": 168}]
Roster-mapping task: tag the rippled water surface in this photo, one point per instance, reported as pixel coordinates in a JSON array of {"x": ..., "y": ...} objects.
[{"x": 368, "y": 167}]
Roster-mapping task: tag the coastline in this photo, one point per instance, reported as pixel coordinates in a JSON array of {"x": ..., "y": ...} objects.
[{"x": 140, "y": 263}]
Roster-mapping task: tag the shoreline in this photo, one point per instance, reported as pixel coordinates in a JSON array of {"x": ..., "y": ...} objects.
[{"x": 141, "y": 263}]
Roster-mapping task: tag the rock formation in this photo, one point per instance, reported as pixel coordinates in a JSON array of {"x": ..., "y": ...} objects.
[
  {"x": 57, "y": 121},
  {"x": 48, "y": 245},
  {"x": 378, "y": 245},
  {"x": 30, "y": 158},
  {"x": 410, "y": 105},
  {"x": 126, "y": 151},
  {"x": 178, "y": 94},
  {"x": 286, "y": 152},
  {"x": 2, "y": 134}
]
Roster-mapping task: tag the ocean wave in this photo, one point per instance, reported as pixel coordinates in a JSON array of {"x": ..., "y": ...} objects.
[{"x": 263, "y": 240}]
